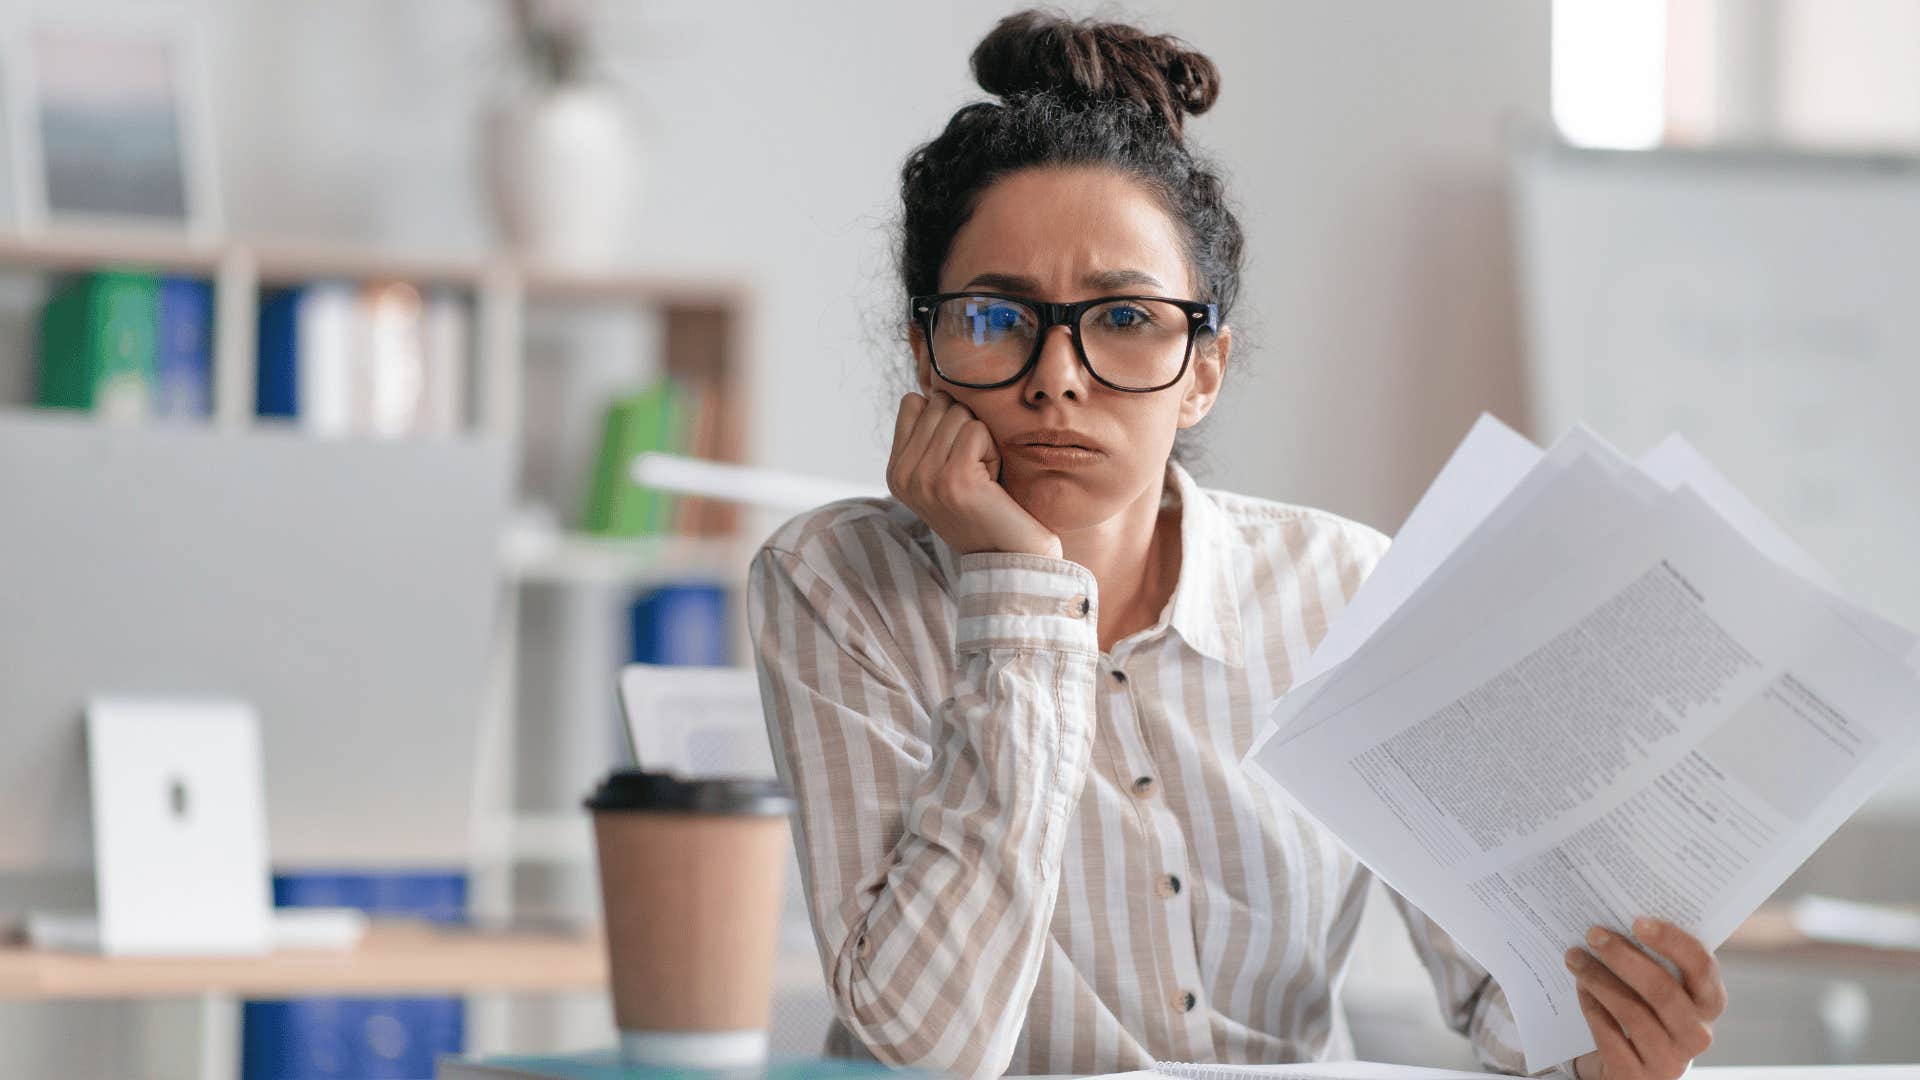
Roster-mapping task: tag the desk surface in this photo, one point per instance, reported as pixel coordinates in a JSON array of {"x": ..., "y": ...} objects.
[
  {"x": 394, "y": 958},
  {"x": 406, "y": 957},
  {"x": 1702, "y": 1071},
  {"x": 397, "y": 957},
  {"x": 1770, "y": 936}
]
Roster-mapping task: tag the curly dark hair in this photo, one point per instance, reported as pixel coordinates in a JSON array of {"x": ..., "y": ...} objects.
[{"x": 1075, "y": 93}]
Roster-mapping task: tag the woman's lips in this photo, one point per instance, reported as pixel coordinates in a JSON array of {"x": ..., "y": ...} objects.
[{"x": 1067, "y": 456}]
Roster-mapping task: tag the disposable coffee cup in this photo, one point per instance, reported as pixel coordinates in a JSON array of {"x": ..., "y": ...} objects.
[{"x": 691, "y": 882}]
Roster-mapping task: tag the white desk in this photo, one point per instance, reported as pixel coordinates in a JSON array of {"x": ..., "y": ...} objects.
[{"x": 1700, "y": 1073}]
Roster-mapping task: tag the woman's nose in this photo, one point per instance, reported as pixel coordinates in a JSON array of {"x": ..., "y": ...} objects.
[{"x": 1058, "y": 373}]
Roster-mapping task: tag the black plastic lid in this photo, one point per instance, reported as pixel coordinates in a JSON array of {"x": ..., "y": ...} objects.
[{"x": 637, "y": 789}]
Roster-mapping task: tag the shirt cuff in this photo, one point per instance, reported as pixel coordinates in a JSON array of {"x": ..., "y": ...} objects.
[{"x": 1018, "y": 600}]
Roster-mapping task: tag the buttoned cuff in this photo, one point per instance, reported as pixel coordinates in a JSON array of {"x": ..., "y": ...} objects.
[{"x": 1023, "y": 601}]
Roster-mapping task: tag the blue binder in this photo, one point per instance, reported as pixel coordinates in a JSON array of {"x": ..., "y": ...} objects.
[
  {"x": 183, "y": 348},
  {"x": 684, "y": 623},
  {"x": 375, "y": 1038},
  {"x": 277, "y": 380}
]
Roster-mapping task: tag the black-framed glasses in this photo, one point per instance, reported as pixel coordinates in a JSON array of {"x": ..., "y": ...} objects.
[{"x": 1138, "y": 344}]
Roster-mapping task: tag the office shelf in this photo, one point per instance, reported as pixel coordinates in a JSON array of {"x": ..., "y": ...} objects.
[
  {"x": 703, "y": 322},
  {"x": 279, "y": 260}
]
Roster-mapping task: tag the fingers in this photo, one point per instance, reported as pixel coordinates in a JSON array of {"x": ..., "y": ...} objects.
[
  {"x": 1656, "y": 988},
  {"x": 1616, "y": 1050},
  {"x": 1698, "y": 967},
  {"x": 1632, "y": 1015},
  {"x": 904, "y": 423},
  {"x": 975, "y": 444},
  {"x": 925, "y": 435},
  {"x": 911, "y": 406},
  {"x": 913, "y": 431},
  {"x": 907, "y": 450},
  {"x": 946, "y": 432}
]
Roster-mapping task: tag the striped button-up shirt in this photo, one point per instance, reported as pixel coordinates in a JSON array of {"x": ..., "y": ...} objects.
[{"x": 1024, "y": 853}]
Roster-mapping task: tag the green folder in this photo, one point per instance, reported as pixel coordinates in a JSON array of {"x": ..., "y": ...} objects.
[
  {"x": 97, "y": 343},
  {"x": 675, "y": 425},
  {"x": 605, "y": 466},
  {"x": 654, "y": 418}
]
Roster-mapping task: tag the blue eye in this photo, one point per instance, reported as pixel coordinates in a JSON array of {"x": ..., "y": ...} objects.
[
  {"x": 1125, "y": 317},
  {"x": 983, "y": 320},
  {"x": 1003, "y": 317}
]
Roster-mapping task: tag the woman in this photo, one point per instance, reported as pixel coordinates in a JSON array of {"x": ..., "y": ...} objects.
[{"x": 1012, "y": 699}]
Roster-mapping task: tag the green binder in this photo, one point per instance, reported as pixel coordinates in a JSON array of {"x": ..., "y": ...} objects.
[
  {"x": 654, "y": 418},
  {"x": 97, "y": 343}
]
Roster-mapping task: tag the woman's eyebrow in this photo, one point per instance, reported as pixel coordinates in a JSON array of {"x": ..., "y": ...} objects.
[
  {"x": 1012, "y": 283},
  {"x": 1098, "y": 279},
  {"x": 1118, "y": 279}
]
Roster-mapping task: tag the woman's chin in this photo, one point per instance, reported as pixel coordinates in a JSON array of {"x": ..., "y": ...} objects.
[{"x": 1056, "y": 500}]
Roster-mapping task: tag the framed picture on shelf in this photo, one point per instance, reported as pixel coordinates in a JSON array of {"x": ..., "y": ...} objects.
[{"x": 110, "y": 120}]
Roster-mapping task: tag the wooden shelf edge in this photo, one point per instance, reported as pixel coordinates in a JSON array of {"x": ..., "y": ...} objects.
[
  {"x": 574, "y": 558},
  {"x": 80, "y": 250},
  {"x": 395, "y": 958},
  {"x": 283, "y": 260}
]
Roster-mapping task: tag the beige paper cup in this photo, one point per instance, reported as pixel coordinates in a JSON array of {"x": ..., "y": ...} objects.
[{"x": 691, "y": 882}]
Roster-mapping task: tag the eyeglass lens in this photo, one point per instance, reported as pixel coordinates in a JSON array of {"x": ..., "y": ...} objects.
[{"x": 1137, "y": 344}]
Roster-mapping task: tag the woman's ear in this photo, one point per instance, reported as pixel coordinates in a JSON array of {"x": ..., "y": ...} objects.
[{"x": 1209, "y": 369}]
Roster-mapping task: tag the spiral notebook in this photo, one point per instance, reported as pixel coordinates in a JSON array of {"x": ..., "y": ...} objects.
[{"x": 1312, "y": 1070}]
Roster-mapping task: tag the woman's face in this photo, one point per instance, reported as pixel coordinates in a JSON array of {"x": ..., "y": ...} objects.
[{"x": 1066, "y": 234}]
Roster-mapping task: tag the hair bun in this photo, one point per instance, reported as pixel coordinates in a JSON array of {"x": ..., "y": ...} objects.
[{"x": 1033, "y": 50}]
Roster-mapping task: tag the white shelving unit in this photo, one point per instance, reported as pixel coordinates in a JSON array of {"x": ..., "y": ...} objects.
[{"x": 704, "y": 325}]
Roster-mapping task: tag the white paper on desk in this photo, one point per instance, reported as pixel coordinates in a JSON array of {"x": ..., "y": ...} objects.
[
  {"x": 1668, "y": 728},
  {"x": 1312, "y": 1070},
  {"x": 1566, "y": 508}
]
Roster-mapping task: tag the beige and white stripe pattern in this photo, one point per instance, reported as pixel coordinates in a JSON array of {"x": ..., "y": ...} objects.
[{"x": 1023, "y": 854}]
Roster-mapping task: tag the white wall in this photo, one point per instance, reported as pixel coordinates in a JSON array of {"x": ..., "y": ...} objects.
[
  {"x": 1847, "y": 73},
  {"x": 1799, "y": 72}
]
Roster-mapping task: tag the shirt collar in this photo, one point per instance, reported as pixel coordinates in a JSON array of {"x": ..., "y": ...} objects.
[{"x": 1206, "y": 598}]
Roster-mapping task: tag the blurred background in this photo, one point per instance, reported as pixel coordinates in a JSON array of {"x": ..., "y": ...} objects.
[{"x": 458, "y": 261}]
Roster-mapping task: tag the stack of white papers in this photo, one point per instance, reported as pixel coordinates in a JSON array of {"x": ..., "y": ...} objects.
[
  {"x": 1313, "y": 1070},
  {"x": 1579, "y": 689}
]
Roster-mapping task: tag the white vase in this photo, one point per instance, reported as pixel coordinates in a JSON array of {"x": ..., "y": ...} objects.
[{"x": 564, "y": 170}]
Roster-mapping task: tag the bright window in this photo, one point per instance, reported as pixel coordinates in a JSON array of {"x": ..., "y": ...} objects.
[{"x": 1610, "y": 72}]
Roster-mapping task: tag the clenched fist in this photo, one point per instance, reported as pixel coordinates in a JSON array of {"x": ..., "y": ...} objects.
[{"x": 946, "y": 468}]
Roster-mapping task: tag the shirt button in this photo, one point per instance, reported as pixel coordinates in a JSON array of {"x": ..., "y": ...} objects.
[
  {"x": 1079, "y": 605},
  {"x": 1184, "y": 1002},
  {"x": 1168, "y": 887},
  {"x": 1143, "y": 787},
  {"x": 1119, "y": 676}
]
